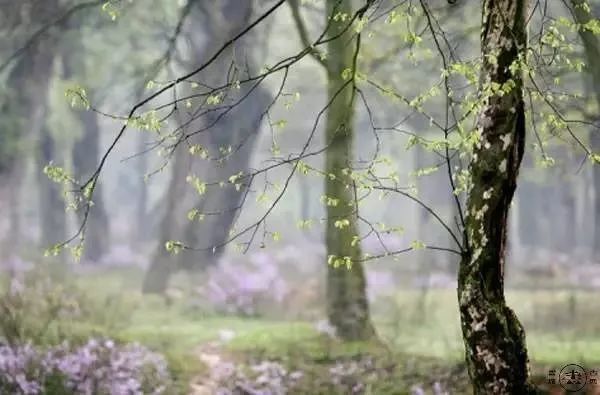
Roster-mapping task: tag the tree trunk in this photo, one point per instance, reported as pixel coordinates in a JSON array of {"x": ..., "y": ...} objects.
[
  {"x": 14, "y": 141},
  {"x": 163, "y": 263},
  {"x": 142, "y": 220},
  {"x": 496, "y": 353},
  {"x": 237, "y": 129},
  {"x": 28, "y": 83},
  {"x": 221, "y": 204},
  {"x": 347, "y": 304},
  {"x": 53, "y": 220},
  {"x": 85, "y": 156},
  {"x": 86, "y": 153}
]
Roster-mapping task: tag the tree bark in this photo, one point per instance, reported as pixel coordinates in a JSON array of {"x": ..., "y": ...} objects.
[
  {"x": 347, "y": 303},
  {"x": 496, "y": 352}
]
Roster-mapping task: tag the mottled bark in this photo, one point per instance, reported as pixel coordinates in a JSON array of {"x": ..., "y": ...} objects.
[
  {"x": 496, "y": 353},
  {"x": 591, "y": 44},
  {"x": 347, "y": 304}
]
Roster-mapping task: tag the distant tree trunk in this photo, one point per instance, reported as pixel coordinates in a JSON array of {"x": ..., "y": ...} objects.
[
  {"x": 53, "y": 220},
  {"x": 563, "y": 229},
  {"x": 347, "y": 303},
  {"x": 163, "y": 263},
  {"x": 28, "y": 85},
  {"x": 86, "y": 154},
  {"x": 14, "y": 139},
  {"x": 142, "y": 221},
  {"x": 221, "y": 204},
  {"x": 238, "y": 129},
  {"x": 496, "y": 353},
  {"x": 144, "y": 228},
  {"x": 529, "y": 198},
  {"x": 591, "y": 45}
]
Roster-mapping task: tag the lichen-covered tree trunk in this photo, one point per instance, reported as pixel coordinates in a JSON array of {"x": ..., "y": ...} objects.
[
  {"x": 347, "y": 304},
  {"x": 496, "y": 352},
  {"x": 591, "y": 44}
]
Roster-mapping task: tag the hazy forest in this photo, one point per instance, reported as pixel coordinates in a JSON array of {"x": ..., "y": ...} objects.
[{"x": 268, "y": 197}]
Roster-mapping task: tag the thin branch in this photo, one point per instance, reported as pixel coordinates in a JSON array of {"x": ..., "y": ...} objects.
[
  {"x": 303, "y": 32},
  {"x": 40, "y": 32}
]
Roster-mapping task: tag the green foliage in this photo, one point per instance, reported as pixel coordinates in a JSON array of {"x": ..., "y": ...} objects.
[{"x": 38, "y": 307}]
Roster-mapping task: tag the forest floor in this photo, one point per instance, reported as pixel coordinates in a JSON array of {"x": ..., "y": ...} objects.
[
  {"x": 419, "y": 330},
  {"x": 420, "y": 350}
]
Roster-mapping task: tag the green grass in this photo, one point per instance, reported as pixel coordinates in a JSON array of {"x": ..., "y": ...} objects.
[
  {"x": 413, "y": 323},
  {"x": 420, "y": 331}
]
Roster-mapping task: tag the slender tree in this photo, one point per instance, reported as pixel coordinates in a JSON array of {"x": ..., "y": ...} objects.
[
  {"x": 496, "y": 352},
  {"x": 347, "y": 304}
]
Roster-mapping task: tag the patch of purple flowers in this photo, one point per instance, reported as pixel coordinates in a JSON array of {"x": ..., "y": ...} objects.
[
  {"x": 97, "y": 367},
  {"x": 262, "y": 378},
  {"x": 241, "y": 289}
]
